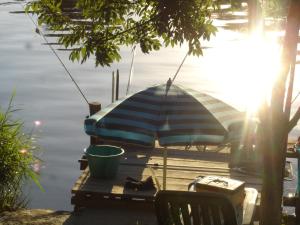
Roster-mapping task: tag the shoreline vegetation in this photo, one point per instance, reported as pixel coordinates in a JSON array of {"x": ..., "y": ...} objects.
[
  {"x": 34, "y": 217},
  {"x": 17, "y": 160},
  {"x": 87, "y": 216}
]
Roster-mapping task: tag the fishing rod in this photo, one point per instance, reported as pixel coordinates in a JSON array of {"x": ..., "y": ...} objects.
[
  {"x": 180, "y": 66},
  {"x": 131, "y": 70},
  {"x": 38, "y": 31},
  {"x": 295, "y": 97}
]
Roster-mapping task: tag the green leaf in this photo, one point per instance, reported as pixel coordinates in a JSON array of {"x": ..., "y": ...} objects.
[{"x": 34, "y": 178}]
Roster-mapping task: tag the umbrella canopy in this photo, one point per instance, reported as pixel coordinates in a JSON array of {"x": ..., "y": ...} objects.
[{"x": 172, "y": 114}]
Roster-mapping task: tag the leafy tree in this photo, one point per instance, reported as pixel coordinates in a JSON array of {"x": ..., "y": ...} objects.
[
  {"x": 276, "y": 123},
  {"x": 100, "y": 27},
  {"x": 276, "y": 8}
]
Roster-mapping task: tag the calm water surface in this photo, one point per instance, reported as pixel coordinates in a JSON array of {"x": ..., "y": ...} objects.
[{"x": 45, "y": 93}]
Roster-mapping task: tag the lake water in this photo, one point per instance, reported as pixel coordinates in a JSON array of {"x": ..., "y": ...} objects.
[{"x": 45, "y": 93}]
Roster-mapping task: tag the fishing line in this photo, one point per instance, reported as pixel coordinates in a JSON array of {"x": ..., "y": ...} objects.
[
  {"x": 180, "y": 66},
  {"x": 295, "y": 97},
  {"x": 131, "y": 70},
  {"x": 59, "y": 59}
]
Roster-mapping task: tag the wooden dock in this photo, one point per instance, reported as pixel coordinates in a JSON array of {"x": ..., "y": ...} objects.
[{"x": 183, "y": 166}]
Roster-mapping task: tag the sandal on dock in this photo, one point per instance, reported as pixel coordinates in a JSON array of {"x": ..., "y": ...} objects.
[{"x": 143, "y": 185}]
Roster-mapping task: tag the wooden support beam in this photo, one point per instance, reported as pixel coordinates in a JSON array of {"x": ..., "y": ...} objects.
[
  {"x": 297, "y": 209},
  {"x": 94, "y": 107},
  {"x": 117, "y": 84},
  {"x": 113, "y": 85},
  {"x": 290, "y": 201},
  {"x": 292, "y": 155},
  {"x": 289, "y": 219},
  {"x": 83, "y": 162},
  {"x": 274, "y": 132}
]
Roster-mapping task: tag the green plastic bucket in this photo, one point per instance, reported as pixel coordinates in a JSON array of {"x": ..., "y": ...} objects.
[{"x": 103, "y": 160}]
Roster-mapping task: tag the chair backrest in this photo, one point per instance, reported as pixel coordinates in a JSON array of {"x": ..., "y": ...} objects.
[{"x": 194, "y": 208}]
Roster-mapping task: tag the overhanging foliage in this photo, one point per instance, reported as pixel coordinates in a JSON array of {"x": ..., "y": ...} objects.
[{"x": 100, "y": 27}]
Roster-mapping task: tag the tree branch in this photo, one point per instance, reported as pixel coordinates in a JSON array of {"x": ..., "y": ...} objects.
[
  {"x": 293, "y": 122},
  {"x": 152, "y": 18}
]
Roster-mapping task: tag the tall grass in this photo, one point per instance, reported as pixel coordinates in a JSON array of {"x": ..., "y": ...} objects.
[{"x": 16, "y": 160}]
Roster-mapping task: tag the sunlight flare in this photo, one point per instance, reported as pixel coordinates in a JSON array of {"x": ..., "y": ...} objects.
[
  {"x": 23, "y": 151},
  {"x": 256, "y": 65},
  {"x": 37, "y": 123}
]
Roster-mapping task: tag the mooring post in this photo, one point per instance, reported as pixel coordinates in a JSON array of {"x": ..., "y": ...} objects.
[
  {"x": 165, "y": 155},
  {"x": 94, "y": 107},
  {"x": 113, "y": 81},
  {"x": 297, "y": 210},
  {"x": 297, "y": 203},
  {"x": 117, "y": 85}
]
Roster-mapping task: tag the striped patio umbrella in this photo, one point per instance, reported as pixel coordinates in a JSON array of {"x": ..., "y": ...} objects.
[{"x": 174, "y": 115}]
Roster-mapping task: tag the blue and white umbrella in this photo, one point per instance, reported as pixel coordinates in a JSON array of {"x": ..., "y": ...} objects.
[{"x": 171, "y": 114}]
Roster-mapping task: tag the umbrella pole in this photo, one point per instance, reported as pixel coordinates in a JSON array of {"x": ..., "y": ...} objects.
[{"x": 165, "y": 169}]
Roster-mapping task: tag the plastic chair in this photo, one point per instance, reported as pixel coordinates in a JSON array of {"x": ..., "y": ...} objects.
[{"x": 194, "y": 208}]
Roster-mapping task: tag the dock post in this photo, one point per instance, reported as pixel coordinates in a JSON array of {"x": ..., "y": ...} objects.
[
  {"x": 165, "y": 155},
  {"x": 297, "y": 210},
  {"x": 117, "y": 85},
  {"x": 113, "y": 81},
  {"x": 94, "y": 107},
  {"x": 297, "y": 203}
]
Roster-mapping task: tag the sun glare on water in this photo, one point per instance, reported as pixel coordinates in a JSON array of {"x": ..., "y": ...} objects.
[{"x": 256, "y": 64}]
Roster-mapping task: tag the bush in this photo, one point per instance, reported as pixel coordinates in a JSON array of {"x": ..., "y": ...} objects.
[{"x": 16, "y": 160}]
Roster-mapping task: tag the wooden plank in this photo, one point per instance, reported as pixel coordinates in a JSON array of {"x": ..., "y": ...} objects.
[
  {"x": 290, "y": 154},
  {"x": 179, "y": 153},
  {"x": 297, "y": 210},
  {"x": 99, "y": 202},
  {"x": 173, "y": 172},
  {"x": 134, "y": 196},
  {"x": 81, "y": 180},
  {"x": 175, "y": 157},
  {"x": 249, "y": 205},
  {"x": 180, "y": 172},
  {"x": 119, "y": 190},
  {"x": 155, "y": 162},
  {"x": 177, "y": 179},
  {"x": 290, "y": 219},
  {"x": 290, "y": 201}
]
